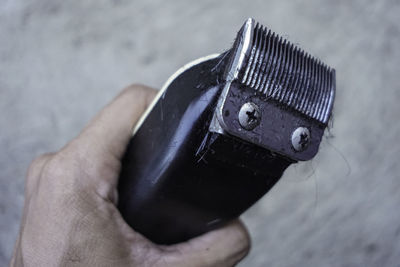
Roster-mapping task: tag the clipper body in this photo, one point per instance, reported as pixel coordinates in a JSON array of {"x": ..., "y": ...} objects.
[{"x": 192, "y": 165}]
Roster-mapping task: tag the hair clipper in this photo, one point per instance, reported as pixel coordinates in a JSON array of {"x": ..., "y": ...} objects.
[{"x": 220, "y": 134}]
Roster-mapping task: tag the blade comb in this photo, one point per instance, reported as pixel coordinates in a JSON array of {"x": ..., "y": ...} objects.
[
  {"x": 283, "y": 72},
  {"x": 276, "y": 95}
]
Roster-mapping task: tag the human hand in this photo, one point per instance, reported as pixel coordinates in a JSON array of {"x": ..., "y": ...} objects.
[{"x": 70, "y": 215}]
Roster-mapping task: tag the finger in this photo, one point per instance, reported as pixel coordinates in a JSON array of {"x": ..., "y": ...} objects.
[
  {"x": 92, "y": 160},
  {"x": 111, "y": 129},
  {"x": 222, "y": 247}
]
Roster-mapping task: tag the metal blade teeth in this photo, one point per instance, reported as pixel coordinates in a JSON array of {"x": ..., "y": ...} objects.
[{"x": 283, "y": 72}]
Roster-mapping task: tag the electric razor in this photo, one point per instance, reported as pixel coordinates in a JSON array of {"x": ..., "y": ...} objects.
[{"x": 221, "y": 133}]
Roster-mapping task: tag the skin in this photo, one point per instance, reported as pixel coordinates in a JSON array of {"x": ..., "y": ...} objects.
[{"x": 70, "y": 216}]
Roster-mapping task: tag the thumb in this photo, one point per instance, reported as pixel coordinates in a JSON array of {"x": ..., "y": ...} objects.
[
  {"x": 112, "y": 128},
  {"x": 225, "y": 246}
]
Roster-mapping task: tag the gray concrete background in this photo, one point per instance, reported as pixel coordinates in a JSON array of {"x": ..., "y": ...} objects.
[{"x": 61, "y": 61}]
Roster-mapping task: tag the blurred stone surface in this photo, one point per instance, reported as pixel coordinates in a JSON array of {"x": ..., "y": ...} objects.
[{"x": 61, "y": 61}]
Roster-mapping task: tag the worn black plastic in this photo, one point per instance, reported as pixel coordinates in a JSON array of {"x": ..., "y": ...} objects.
[{"x": 178, "y": 179}]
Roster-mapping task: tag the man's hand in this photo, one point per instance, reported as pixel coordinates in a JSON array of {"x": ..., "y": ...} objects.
[{"x": 70, "y": 215}]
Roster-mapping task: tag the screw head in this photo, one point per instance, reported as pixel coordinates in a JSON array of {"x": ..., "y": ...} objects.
[
  {"x": 301, "y": 138},
  {"x": 249, "y": 116}
]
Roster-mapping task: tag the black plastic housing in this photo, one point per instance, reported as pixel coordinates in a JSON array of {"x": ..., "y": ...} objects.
[{"x": 178, "y": 179}]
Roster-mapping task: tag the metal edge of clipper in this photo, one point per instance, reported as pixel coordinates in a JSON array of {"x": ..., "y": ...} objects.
[
  {"x": 275, "y": 96},
  {"x": 239, "y": 53}
]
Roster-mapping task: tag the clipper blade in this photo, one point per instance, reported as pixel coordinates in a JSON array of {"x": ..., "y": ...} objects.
[
  {"x": 283, "y": 72},
  {"x": 289, "y": 88}
]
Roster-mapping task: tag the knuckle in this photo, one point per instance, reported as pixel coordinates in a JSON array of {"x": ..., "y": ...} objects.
[
  {"x": 68, "y": 171},
  {"x": 37, "y": 164},
  {"x": 34, "y": 172},
  {"x": 246, "y": 237},
  {"x": 56, "y": 166},
  {"x": 244, "y": 242},
  {"x": 58, "y": 176},
  {"x": 241, "y": 240}
]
